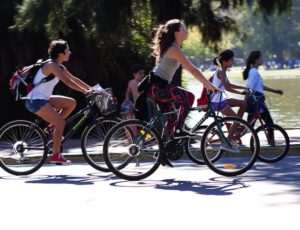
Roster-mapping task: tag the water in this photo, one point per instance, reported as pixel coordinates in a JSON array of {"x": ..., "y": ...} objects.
[{"x": 285, "y": 109}]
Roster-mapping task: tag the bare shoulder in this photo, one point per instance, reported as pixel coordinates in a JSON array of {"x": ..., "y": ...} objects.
[
  {"x": 174, "y": 51},
  {"x": 221, "y": 74},
  {"x": 52, "y": 68}
]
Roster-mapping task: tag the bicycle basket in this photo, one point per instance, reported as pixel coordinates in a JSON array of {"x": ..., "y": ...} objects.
[{"x": 105, "y": 103}]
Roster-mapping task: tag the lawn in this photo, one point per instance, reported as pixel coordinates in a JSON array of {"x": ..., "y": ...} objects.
[{"x": 237, "y": 72}]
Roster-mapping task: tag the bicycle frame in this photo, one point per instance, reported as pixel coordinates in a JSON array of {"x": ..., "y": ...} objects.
[
  {"x": 256, "y": 116},
  {"x": 160, "y": 117},
  {"x": 210, "y": 113},
  {"x": 86, "y": 113}
]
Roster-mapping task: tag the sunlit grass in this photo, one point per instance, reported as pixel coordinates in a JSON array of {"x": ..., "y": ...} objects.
[{"x": 237, "y": 72}]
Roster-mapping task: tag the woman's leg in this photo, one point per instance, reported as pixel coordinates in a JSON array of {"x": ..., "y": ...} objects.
[
  {"x": 238, "y": 103},
  {"x": 184, "y": 100},
  {"x": 49, "y": 114},
  {"x": 65, "y": 105},
  {"x": 266, "y": 116}
]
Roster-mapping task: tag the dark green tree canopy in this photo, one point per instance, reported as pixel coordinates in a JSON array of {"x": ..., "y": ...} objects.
[{"x": 107, "y": 36}]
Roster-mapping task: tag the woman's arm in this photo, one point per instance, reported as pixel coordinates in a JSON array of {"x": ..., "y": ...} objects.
[
  {"x": 176, "y": 53},
  {"x": 278, "y": 91},
  {"x": 76, "y": 80},
  {"x": 226, "y": 83},
  {"x": 238, "y": 86},
  {"x": 54, "y": 68}
]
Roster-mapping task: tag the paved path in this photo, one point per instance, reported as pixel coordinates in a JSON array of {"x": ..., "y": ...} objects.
[
  {"x": 185, "y": 197},
  {"x": 72, "y": 147}
]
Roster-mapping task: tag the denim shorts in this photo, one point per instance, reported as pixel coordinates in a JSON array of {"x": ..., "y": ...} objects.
[
  {"x": 35, "y": 105},
  {"x": 219, "y": 106}
]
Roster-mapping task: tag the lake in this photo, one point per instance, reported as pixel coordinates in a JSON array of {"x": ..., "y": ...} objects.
[{"x": 285, "y": 109}]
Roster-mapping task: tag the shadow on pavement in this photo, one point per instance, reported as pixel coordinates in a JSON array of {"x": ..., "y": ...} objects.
[
  {"x": 212, "y": 187},
  {"x": 89, "y": 179}
]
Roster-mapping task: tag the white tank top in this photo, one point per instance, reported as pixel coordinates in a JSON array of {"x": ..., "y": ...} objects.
[
  {"x": 217, "y": 97},
  {"x": 43, "y": 90}
]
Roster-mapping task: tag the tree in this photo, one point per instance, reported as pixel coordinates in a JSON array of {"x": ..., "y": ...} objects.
[{"x": 107, "y": 36}]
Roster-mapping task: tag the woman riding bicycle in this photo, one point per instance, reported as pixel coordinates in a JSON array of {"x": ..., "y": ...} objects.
[
  {"x": 255, "y": 83},
  {"x": 169, "y": 55},
  {"x": 55, "y": 108},
  {"x": 224, "y": 61}
]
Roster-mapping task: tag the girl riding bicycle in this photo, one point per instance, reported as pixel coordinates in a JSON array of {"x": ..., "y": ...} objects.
[
  {"x": 55, "y": 108},
  {"x": 224, "y": 61},
  {"x": 255, "y": 83},
  {"x": 169, "y": 55}
]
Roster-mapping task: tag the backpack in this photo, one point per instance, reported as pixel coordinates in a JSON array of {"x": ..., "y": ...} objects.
[
  {"x": 203, "y": 100},
  {"x": 21, "y": 82}
]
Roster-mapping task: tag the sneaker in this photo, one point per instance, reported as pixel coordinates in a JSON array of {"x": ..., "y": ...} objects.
[
  {"x": 180, "y": 133},
  {"x": 58, "y": 158},
  {"x": 228, "y": 148}
]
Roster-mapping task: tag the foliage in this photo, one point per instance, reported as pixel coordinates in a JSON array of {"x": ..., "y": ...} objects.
[{"x": 107, "y": 36}]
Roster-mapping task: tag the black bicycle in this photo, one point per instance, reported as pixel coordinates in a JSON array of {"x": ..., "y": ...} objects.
[
  {"x": 134, "y": 149},
  {"x": 24, "y": 145}
]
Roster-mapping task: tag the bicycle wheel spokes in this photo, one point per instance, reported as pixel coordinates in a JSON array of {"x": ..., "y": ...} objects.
[
  {"x": 131, "y": 151},
  {"x": 22, "y": 148},
  {"x": 92, "y": 143},
  {"x": 274, "y": 143},
  {"x": 192, "y": 146},
  {"x": 230, "y": 147}
]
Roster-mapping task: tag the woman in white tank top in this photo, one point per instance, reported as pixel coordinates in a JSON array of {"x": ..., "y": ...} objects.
[
  {"x": 220, "y": 80},
  {"x": 55, "y": 108}
]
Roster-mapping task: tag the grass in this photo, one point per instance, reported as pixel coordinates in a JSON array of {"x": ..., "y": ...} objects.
[{"x": 237, "y": 72}]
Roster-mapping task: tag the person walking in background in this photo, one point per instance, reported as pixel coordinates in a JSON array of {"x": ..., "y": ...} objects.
[
  {"x": 55, "y": 108},
  {"x": 167, "y": 44},
  {"x": 224, "y": 61},
  {"x": 127, "y": 106},
  {"x": 255, "y": 83}
]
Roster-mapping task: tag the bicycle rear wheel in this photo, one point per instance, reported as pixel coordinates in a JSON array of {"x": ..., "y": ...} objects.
[
  {"x": 274, "y": 143},
  {"x": 22, "y": 147},
  {"x": 230, "y": 146},
  {"x": 92, "y": 143},
  {"x": 193, "y": 146},
  {"x": 140, "y": 153}
]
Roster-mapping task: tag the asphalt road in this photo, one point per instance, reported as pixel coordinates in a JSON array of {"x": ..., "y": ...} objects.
[{"x": 185, "y": 197}]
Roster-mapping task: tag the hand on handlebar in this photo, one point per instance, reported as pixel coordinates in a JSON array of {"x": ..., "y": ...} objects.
[{"x": 213, "y": 88}]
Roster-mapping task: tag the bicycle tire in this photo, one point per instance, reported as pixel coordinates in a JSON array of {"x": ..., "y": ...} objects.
[
  {"x": 144, "y": 152},
  {"x": 21, "y": 154},
  {"x": 90, "y": 137},
  {"x": 231, "y": 163},
  {"x": 193, "y": 145},
  {"x": 281, "y": 144}
]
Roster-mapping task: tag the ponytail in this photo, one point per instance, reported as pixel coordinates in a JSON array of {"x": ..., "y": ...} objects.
[
  {"x": 253, "y": 56},
  {"x": 223, "y": 56},
  {"x": 216, "y": 61},
  {"x": 246, "y": 71}
]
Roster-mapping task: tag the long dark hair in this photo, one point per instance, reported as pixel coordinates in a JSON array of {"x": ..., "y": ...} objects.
[
  {"x": 223, "y": 56},
  {"x": 164, "y": 37},
  {"x": 253, "y": 56}
]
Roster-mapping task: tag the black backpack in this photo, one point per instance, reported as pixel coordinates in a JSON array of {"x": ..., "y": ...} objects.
[{"x": 21, "y": 82}]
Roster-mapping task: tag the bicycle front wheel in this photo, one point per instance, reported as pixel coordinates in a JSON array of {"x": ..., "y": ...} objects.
[
  {"x": 22, "y": 147},
  {"x": 230, "y": 146},
  {"x": 140, "y": 153},
  {"x": 274, "y": 143},
  {"x": 193, "y": 146},
  {"x": 92, "y": 142}
]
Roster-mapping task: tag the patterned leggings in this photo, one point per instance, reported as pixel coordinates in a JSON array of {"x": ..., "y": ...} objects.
[{"x": 170, "y": 98}]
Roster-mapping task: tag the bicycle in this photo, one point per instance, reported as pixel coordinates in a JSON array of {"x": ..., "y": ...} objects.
[
  {"x": 24, "y": 145},
  {"x": 135, "y": 156},
  {"x": 274, "y": 140}
]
